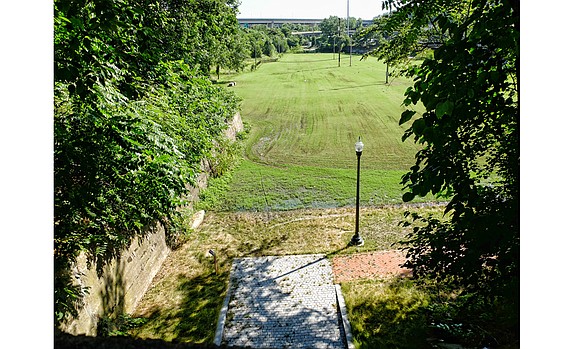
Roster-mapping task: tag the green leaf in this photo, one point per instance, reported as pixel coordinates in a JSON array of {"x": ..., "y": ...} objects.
[
  {"x": 406, "y": 116},
  {"x": 444, "y": 108},
  {"x": 408, "y": 197},
  {"x": 418, "y": 126}
]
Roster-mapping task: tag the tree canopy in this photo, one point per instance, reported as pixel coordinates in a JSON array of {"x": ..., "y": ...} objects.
[{"x": 469, "y": 134}]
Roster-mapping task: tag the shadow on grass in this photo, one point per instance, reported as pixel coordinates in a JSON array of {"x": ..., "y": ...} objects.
[
  {"x": 388, "y": 316},
  {"x": 351, "y": 87},
  {"x": 196, "y": 318},
  {"x": 302, "y": 71},
  {"x": 67, "y": 341},
  {"x": 201, "y": 298},
  {"x": 307, "y": 61}
]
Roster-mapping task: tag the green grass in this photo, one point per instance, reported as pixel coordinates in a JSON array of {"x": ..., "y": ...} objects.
[
  {"x": 305, "y": 115},
  {"x": 387, "y": 313},
  {"x": 259, "y": 187},
  {"x": 304, "y": 110}
]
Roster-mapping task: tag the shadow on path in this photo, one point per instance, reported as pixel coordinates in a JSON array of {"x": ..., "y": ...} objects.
[{"x": 283, "y": 302}]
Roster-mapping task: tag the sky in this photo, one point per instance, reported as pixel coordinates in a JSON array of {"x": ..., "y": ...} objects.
[{"x": 311, "y": 9}]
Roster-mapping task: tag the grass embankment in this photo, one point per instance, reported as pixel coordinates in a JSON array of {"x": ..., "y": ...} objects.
[
  {"x": 305, "y": 114},
  {"x": 184, "y": 300}
]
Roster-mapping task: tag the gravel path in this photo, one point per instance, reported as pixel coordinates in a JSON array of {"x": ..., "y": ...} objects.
[{"x": 283, "y": 302}]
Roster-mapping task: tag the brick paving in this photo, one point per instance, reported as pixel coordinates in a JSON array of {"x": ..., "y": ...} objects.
[
  {"x": 282, "y": 302},
  {"x": 372, "y": 265}
]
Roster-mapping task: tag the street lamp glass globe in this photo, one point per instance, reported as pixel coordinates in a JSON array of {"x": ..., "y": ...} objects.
[{"x": 358, "y": 146}]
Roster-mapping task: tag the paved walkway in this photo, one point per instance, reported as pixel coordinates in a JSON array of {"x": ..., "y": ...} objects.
[{"x": 283, "y": 302}]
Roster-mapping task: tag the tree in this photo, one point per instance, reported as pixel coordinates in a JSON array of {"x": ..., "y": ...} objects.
[
  {"x": 255, "y": 41},
  {"x": 470, "y": 137},
  {"x": 215, "y": 21}
]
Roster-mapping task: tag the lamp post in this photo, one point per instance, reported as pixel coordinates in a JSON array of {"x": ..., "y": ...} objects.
[{"x": 356, "y": 239}]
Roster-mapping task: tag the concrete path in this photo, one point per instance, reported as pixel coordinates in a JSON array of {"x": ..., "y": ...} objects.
[{"x": 283, "y": 302}]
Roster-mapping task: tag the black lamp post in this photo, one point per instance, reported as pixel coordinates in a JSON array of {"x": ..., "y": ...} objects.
[{"x": 356, "y": 239}]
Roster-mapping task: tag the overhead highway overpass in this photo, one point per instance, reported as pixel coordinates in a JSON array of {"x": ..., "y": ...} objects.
[{"x": 278, "y": 22}]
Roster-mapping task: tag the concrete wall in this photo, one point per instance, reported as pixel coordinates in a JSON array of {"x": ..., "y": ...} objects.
[
  {"x": 126, "y": 279},
  {"x": 123, "y": 283}
]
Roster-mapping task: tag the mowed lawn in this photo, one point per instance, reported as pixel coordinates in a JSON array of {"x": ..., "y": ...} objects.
[{"x": 305, "y": 115}]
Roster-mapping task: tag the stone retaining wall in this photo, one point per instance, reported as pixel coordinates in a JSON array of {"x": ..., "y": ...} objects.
[{"x": 123, "y": 283}]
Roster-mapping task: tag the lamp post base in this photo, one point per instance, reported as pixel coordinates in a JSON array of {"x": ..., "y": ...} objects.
[{"x": 356, "y": 241}]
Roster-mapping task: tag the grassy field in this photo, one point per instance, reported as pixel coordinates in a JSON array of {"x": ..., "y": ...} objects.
[
  {"x": 304, "y": 110},
  {"x": 305, "y": 114}
]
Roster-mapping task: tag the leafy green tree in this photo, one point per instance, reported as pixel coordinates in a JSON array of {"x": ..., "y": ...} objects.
[
  {"x": 470, "y": 137},
  {"x": 255, "y": 42},
  {"x": 216, "y": 24},
  {"x": 332, "y": 26}
]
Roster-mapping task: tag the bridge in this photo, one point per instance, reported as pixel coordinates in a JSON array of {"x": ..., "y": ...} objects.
[
  {"x": 311, "y": 33},
  {"x": 317, "y": 32},
  {"x": 278, "y": 22}
]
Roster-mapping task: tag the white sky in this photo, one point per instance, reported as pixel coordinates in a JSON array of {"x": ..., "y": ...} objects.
[{"x": 311, "y": 9}]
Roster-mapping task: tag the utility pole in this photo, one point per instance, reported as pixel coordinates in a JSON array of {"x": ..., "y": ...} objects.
[
  {"x": 348, "y": 30},
  {"x": 339, "y": 46}
]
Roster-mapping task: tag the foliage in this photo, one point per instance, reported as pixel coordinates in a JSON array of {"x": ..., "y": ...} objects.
[
  {"x": 120, "y": 325},
  {"x": 472, "y": 320},
  {"x": 262, "y": 40},
  {"x": 216, "y": 24},
  {"x": 190, "y": 108},
  {"x": 131, "y": 124},
  {"x": 334, "y": 37},
  {"x": 94, "y": 39},
  {"x": 470, "y": 138}
]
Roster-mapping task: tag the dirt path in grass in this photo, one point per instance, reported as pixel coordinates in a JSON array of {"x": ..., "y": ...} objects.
[{"x": 371, "y": 265}]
